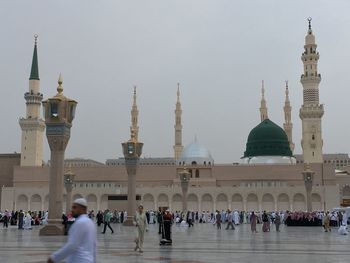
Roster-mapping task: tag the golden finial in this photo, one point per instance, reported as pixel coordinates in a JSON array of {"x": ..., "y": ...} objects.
[
  {"x": 178, "y": 91},
  {"x": 60, "y": 81},
  {"x": 262, "y": 89}
]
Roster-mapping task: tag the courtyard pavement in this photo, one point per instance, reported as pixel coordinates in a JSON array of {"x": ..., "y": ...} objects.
[{"x": 203, "y": 243}]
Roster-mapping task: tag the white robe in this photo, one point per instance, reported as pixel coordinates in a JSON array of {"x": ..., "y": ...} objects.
[
  {"x": 27, "y": 222},
  {"x": 236, "y": 218}
]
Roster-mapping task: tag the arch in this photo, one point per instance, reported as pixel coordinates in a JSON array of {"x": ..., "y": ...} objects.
[
  {"x": 192, "y": 202},
  {"x": 35, "y": 203},
  {"x": 207, "y": 203},
  {"x": 222, "y": 202},
  {"x": 163, "y": 200},
  {"x": 148, "y": 202},
  {"x": 22, "y": 202},
  {"x": 176, "y": 204},
  {"x": 299, "y": 202},
  {"x": 252, "y": 202},
  {"x": 104, "y": 202},
  {"x": 92, "y": 202},
  {"x": 268, "y": 203},
  {"x": 237, "y": 202},
  {"x": 316, "y": 202},
  {"x": 283, "y": 203}
]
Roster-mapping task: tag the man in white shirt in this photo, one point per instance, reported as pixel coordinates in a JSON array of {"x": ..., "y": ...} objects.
[{"x": 81, "y": 244}]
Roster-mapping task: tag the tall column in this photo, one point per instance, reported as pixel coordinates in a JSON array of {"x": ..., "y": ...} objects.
[
  {"x": 287, "y": 125},
  {"x": 311, "y": 111},
  {"x": 68, "y": 183},
  {"x": 263, "y": 107},
  {"x": 308, "y": 176},
  {"x": 178, "y": 127},
  {"x": 184, "y": 179},
  {"x": 59, "y": 114},
  {"x": 132, "y": 150}
]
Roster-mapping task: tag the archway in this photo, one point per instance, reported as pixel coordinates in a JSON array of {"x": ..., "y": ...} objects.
[
  {"x": 299, "y": 202},
  {"x": 237, "y": 202},
  {"x": 268, "y": 203},
  {"x": 252, "y": 202},
  {"x": 35, "y": 203},
  {"x": 176, "y": 203},
  {"x": 222, "y": 202},
  {"x": 148, "y": 202},
  {"x": 283, "y": 202},
  {"x": 316, "y": 202},
  {"x": 192, "y": 202},
  {"x": 92, "y": 202},
  {"x": 22, "y": 202},
  {"x": 163, "y": 200},
  {"x": 207, "y": 203}
]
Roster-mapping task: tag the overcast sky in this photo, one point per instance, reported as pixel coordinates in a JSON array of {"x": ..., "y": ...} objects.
[{"x": 219, "y": 51}]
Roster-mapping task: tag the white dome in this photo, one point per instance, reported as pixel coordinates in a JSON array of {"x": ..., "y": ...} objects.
[{"x": 196, "y": 153}]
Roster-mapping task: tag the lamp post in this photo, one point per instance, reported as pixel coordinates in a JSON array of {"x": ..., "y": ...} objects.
[
  {"x": 59, "y": 112},
  {"x": 308, "y": 176},
  {"x": 185, "y": 179},
  {"x": 68, "y": 183},
  {"x": 132, "y": 150}
]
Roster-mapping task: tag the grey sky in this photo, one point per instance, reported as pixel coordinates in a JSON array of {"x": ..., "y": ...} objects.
[{"x": 219, "y": 51}]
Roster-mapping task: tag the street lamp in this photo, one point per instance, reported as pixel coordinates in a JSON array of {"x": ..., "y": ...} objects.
[
  {"x": 132, "y": 150},
  {"x": 308, "y": 176},
  {"x": 59, "y": 112},
  {"x": 185, "y": 179},
  {"x": 68, "y": 183}
]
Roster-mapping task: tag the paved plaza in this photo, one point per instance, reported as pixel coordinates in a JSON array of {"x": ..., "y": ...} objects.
[{"x": 203, "y": 243}]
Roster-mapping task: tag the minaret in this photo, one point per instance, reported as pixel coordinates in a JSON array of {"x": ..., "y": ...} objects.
[
  {"x": 178, "y": 127},
  {"x": 311, "y": 111},
  {"x": 263, "y": 108},
  {"x": 287, "y": 125},
  {"x": 134, "y": 128},
  {"x": 32, "y": 125}
]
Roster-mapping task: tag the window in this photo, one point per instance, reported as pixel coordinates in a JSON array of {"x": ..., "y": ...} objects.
[{"x": 197, "y": 173}]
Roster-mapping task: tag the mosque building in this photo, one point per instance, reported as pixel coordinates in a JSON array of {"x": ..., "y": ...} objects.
[{"x": 269, "y": 176}]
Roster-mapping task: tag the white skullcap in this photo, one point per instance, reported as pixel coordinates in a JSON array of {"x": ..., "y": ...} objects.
[{"x": 81, "y": 201}]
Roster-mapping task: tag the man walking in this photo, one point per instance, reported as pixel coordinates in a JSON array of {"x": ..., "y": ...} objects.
[
  {"x": 218, "y": 219},
  {"x": 107, "y": 221},
  {"x": 140, "y": 220},
  {"x": 229, "y": 220},
  {"x": 277, "y": 221},
  {"x": 81, "y": 244},
  {"x": 20, "y": 219}
]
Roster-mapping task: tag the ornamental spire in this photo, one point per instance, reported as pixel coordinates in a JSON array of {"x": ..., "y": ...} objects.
[
  {"x": 134, "y": 129},
  {"x": 60, "y": 82},
  {"x": 263, "y": 108},
  {"x": 34, "y": 73}
]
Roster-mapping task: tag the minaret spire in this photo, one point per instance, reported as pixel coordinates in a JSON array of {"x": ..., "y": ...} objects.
[
  {"x": 134, "y": 128},
  {"x": 287, "y": 125},
  {"x": 311, "y": 111},
  {"x": 178, "y": 127},
  {"x": 34, "y": 72},
  {"x": 32, "y": 125},
  {"x": 263, "y": 108}
]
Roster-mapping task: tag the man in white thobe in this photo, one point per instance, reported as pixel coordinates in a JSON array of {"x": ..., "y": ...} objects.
[
  {"x": 81, "y": 244},
  {"x": 236, "y": 217},
  {"x": 140, "y": 221}
]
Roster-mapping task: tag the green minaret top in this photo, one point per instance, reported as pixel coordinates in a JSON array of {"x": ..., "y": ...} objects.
[{"x": 34, "y": 73}]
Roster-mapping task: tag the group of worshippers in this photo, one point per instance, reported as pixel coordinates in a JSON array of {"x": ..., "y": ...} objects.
[{"x": 24, "y": 220}]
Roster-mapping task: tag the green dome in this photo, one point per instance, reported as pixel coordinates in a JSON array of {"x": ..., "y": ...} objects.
[{"x": 267, "y": 139}]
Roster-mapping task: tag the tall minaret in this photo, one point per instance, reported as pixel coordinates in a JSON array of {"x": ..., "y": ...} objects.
[
  {"x": 178, "y": 127},
  {"x": 134, "y": 128},
  {"x": 311, "y": 111},
  {"x": 263, "y": 108},
  {"x": 287, "y": 125},
  {"x": 32, "y": 125}
]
